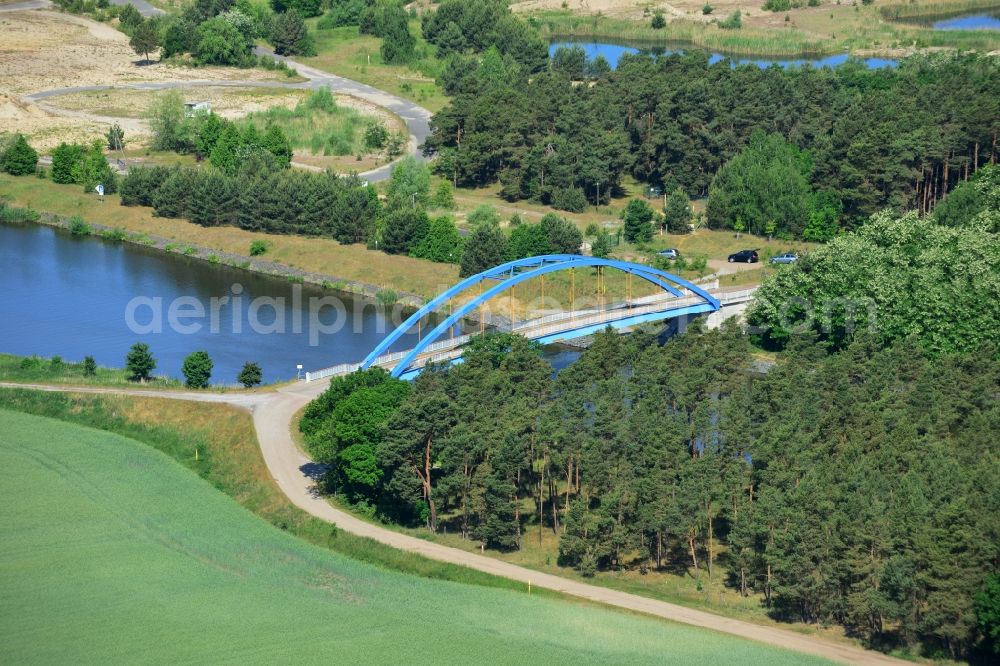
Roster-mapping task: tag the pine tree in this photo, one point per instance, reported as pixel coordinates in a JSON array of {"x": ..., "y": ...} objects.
[
  {"x": 638, "y": 218},
  {"x": 139, "y": 362},
  {"x": 276, "y": 143},
  {"x": 485, "y": 248},
  {"x": 145, "y": 39},
  {"x": 197, "y": 370},
  {"x": 251, "y": 375},
  {"x": 20, "y": 159}
]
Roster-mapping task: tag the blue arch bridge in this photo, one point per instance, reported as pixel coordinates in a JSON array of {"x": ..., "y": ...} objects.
[{"x": 673, "y": 297}]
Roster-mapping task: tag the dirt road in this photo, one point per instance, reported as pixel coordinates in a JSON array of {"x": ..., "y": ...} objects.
[{"x": 273, "y": 414}]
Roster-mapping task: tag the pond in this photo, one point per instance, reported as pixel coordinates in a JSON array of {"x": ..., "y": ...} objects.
[
  {"x": 980, "y": 21},
  {"x": 613, "y": 53}
]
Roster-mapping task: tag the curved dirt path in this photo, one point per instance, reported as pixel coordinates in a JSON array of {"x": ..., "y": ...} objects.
[
  {"x": 273, "y": 414},
  {"x": 415, "y": 117}
]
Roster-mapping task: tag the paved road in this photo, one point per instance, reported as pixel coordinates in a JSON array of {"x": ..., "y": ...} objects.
[
  {"x": 144, "y": 7},
  {"x": 27, "y": 4},
  {"x": 273, "y": 414}
]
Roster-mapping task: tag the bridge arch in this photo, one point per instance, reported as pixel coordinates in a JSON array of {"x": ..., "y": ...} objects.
[{"x": 509, "y": 275}]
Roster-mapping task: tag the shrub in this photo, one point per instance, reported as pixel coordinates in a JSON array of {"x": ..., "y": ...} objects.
[
  {"x": 443, "y": 196},
  {"x": 129, "y": 17},
  {"x": 89, "y": 366},
  {"x": 707, "y": 9},
  {"x": 93, "y": 169},
  {"x": 116, "y": 234},
  {"x": 116, "y": 138},
  {"x": 307, "y": 8},
  {"x": 64, "y": 160},
  {"x": 56, "y": 364},
  {"x": 139, "y": 187},
  {"x": 733, "y": 22},
  {"x": 219, "y": 42},
  {"x": 386, "y": 296},
  {"x": 290, "y": 36},
  {"x": 658, "y": 22},
  {"x": 569, "y": 198},
  {"x": 341, "y": 13},
  {"x": 258, "y": 247},
  {"x": 376, "y": 136},
  {"x": 78, "y": 227},
  {"x": 483, "y": 215},
  {"x": 197, "y": 370}
]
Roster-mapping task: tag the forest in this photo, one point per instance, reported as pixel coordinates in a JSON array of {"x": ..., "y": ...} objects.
[
  {"x": 843, "y": 143},
  {"x": 861, "y": 488},
  {"x": 853, "y": 479}
]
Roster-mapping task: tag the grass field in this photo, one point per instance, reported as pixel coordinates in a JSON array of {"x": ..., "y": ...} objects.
[
  {"x": 32, "y": 369},
  {"x": 113, "y": 552},
  {"x": 330, "y": 134}
]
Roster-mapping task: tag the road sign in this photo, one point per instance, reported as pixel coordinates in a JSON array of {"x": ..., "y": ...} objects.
[{"x": 100, "y": 189}]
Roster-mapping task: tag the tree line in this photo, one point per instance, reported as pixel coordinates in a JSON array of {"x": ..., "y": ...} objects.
[
  {"x": 851, "y": 140},
  {"x": 197, "y": 368},
  {"x": 934, "y": 278},
  {"x": 248, "y": 188},
  {"x": 281, "y": 201}
]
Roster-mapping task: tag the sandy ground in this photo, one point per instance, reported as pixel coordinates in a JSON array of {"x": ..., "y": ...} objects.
[
  {"x": 41, "y": 50},
  {"x": 635, "y": 9},
  {"x": 225, "y": 101},
  {"x": 97, "y": 109}
]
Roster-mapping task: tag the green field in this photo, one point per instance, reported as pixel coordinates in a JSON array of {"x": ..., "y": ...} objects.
[{"x": 113, "y": 552}]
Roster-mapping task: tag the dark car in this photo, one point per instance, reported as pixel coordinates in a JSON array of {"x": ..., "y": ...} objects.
[{"x": 744, "y": 257}]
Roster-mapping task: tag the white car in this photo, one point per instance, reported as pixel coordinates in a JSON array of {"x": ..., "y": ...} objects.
[{"x": 785, "y": 258}]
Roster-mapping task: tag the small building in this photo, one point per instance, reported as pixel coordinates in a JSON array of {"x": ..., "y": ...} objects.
[{"x": 192, "y": 109}]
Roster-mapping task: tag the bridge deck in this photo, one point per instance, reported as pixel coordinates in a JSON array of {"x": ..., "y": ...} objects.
[{"x": 553, "y": 327}]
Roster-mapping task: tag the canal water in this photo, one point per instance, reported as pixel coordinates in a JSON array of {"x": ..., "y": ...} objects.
[
  {"x": 72, "y": 297},
  {"x": 69, "y": 296}
]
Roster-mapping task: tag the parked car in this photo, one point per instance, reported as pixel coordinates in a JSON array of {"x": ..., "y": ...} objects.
[
  {"x": 669, "y": 253},
  {"x": 785, "y": 258},
  {"x": 745, "y": 257}
]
